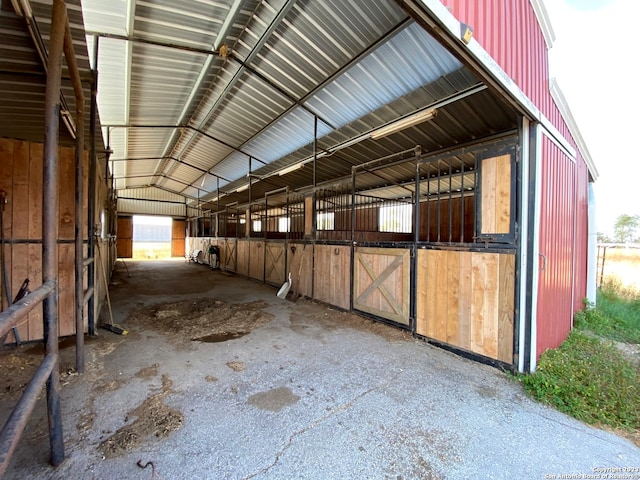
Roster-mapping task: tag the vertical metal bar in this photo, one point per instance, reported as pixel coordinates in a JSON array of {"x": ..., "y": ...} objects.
[
  {"x": 79, "y": 260},
  {"x": 50, "y": 225},
  {"x": 439, "y": 199},
  {"x": 450, "y": 201},
  {"x": 428, "y": 202},
  {"x": 91, "y": 200},
  {"x": 416, "y": 221},
  {"x": 462, "y": 198},
  {"x": 413, "y": 265}
]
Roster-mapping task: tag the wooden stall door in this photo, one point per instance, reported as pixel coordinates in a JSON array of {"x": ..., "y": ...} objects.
[
  {"x": 466, "y": 299},
  {"x": 178, "y": 231},
  {"x": 274, "y": 266},
  {"x": 125, "y": 237},
  {"x": 229, "y": 254},
  {"x": 381, "y": 282}
]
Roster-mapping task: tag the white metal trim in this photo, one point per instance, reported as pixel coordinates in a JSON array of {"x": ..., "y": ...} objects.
[
  {"x": 544, "y": 21},
  {"x": 565, "y": 111},
  {"x": 535, "y": 274},
  {"x": 524, "y": 235},
  {"x": 592, "y": 249}
]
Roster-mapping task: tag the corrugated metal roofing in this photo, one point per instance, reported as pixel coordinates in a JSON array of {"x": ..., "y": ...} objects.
[{"x": 354, "y": 64}]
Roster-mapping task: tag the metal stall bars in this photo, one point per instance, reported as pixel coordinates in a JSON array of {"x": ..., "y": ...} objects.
[{"x": 48, "y": 371}]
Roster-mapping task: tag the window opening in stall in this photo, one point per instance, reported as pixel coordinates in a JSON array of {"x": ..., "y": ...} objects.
[{"x": 396, "y": 218}]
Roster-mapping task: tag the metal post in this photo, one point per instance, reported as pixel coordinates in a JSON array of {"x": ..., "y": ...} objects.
[
  {"x": 79, "y": 260},
  {"x": 50, "y": 225},
  {"x": 91, "y": 200}
]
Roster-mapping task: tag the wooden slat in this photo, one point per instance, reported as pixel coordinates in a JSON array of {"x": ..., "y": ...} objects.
[
  {"x": 453, "y": 298},
  {"x": 35, "y": 232},
  {"x": 256, "y": 256},
  {"x": 506, "y": 303},
  {"x": 308, "y": 216},
  {"x": 66, "y": 194},
  {"x": 66, "y": 290},
  {"x": 465, "y": 294},
  {"x": 242, "y": 261},
  {"x": 422, "y": 291},
  {"x": 496, "y": 195}
]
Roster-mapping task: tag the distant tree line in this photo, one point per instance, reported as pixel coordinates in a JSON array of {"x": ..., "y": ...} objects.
[{"x": 625, "y": 230}]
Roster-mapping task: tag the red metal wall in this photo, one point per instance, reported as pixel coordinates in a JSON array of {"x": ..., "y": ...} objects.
[
  {"x": 557, "y": 259},
  {"x": 508, "y": 30}
]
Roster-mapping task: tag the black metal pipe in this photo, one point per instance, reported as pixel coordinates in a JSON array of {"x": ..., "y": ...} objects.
[
  {"x": 79, "y": 254},
  {"x": 50, "y": 224},
  {"x": 17, "y": 421},
  {"x": 91, "y": 200},
  {"x": 16, "y": 312}
]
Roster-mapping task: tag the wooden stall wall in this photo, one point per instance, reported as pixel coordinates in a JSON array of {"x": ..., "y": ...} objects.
[
  {"x": 466, "y": 299},
  {"x": 275, "y": 255},
  {"x": 256, "y": 259},
  {"x": 381, "y": 282},
  {"x": 300, "y": 265},
  {"x": 332, "y": 275},
  {"x": 21, "y": 170},
  {"x": 448, "y": 221},
  {"x": 242, "y": 265}
]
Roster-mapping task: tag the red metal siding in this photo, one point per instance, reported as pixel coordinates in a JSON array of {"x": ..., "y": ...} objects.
[
  {"x": 509, "y": 31},
  {"x": 557, "y": 247}
]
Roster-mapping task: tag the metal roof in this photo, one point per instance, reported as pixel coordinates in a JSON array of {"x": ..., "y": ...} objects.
[{"x": 192, "y": 94}]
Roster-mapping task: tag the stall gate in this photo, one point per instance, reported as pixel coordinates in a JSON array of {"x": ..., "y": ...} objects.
[
  {"x": 274, "y": 263},
  {"x": 381, "y": 282}
]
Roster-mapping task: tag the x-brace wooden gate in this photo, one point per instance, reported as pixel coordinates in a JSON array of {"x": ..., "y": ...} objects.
[{"x": 381, "y": 282}]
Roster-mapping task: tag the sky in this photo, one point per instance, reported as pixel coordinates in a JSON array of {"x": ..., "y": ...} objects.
[{"x": 595, "y": 61}]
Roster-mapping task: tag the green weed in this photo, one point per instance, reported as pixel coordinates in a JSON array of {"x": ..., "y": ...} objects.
[
  {"x": 617, "y": 315},
  {"x": 590, "y": 380}
]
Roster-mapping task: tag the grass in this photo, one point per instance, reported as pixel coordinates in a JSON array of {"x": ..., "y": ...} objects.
[{"x": 589, "y": 377}]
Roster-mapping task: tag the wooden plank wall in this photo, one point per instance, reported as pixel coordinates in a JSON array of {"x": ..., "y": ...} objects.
[
  {"x": 495, "y": 192},
  {"x": 332, "y": 275},
  {"x": 256, "y": 259},
  {"x": 242, "y": 265},
  {"x": 430, "y": 223},
  {"x": 21, "y": 177},
  {"x": 381, "y": 282},
  {"x": 466, "y": 299}
]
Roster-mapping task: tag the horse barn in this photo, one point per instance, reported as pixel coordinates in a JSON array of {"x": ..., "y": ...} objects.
[{"x": 408, "y": 161}]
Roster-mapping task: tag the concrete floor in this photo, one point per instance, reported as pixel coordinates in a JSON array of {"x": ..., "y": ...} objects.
[{"x": 311, "y": 394}]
